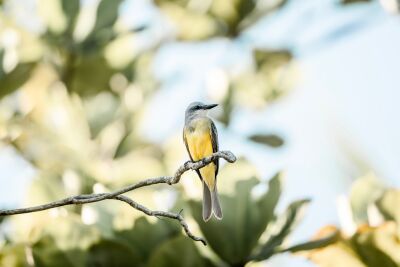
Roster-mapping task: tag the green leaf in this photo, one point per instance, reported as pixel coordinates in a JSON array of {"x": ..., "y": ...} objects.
[
  {"x": 266, "y": 206},
  {"x": 91, "y": 74},
  {"x": 127, "y": 144},
  {"x": 244, "y": 220},
  {"x": 245, "y": 7},
  {"x": 71, "y": 11},
  {"x": 313, "y": 244},
  {"x": 377, "y": 246},
  {"x": 11, "y": 81},
  {"x": 178, "y": 252},
  {"x": 227, "y": 108},
  {"x": 271, "y": 140},
  {"x": 107, "y": 14},
  {"x": 101, "y": 109},
  {"x": 218, "y": 18},
  {"x": 371, "y": 255},
  {"x": 13, "y": 255},
  {"x": 284, "y": 225},
  {"x": 369, "y": 247},
  {"x": 259, "y": 13},
  {"x": 364, "y": 192},
  {"x": 337, "y": 254},
  {"x": 146, "y": 237},
  {"x": 388, "y": 205},
  {"x": 46, "y": 253},
  {"x": 345, "y": 2},
  {"x": 269, "y": 59},
  {"x": 102, "y": 33},
  {"x": 70, "y": 233},
  {"x": 385, "y": 238},
  {"x": 112, "y": 253},
  {"x": 46, "y": 188}
]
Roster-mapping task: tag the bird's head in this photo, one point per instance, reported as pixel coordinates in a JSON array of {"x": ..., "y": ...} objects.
[{"x": 198, "y": 109}]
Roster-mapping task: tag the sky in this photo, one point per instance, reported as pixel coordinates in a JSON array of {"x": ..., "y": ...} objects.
[{"x": 346, "y": 102}]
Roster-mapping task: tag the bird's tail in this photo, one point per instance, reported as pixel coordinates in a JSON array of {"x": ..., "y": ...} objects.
[
  {"x": 215, "y": 203},
  {"x": 207, "y": 202},
  {"x": 211, "y": 203}
]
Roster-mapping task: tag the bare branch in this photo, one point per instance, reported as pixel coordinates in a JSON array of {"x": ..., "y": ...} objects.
[
  {"x": 176, "y": 216},
  {"x": 90, "y": 198}
]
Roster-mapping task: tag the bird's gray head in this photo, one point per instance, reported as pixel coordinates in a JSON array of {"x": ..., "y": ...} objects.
[{"x": 197, "y": 109}]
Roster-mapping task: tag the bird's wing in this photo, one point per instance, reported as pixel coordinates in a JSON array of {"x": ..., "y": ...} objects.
[
  {"x": 214, "y": 140},
  {"x": 186, "y": 144}
]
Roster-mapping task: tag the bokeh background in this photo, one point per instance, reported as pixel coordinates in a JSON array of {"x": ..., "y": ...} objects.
[{"x": 93, "y": 95}]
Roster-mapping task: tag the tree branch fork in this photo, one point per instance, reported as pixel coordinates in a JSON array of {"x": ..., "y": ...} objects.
[{"x": 118, "y": 194}]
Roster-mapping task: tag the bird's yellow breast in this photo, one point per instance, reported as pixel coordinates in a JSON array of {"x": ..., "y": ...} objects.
[{"x": 198, "y": 138}]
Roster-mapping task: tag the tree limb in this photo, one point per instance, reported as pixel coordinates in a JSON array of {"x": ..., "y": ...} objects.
[{"x": 117, "y": 195}]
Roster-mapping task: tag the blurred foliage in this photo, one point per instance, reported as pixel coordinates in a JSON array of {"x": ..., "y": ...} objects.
[
  {"x": 353, "y": 1},
  {"x": 15, "y": 78},
  {"x": 250, "y": 231},
  {"x": 267, "y": 139},
  {"x": 376, "y": 239},
  {"x": 250, "y": 226},
  {"x": 269, "y": 79},
  {"x": 215, "y": 17},
  {"x": 139, "y": 245},
  {"x": 73, "y": 92}
]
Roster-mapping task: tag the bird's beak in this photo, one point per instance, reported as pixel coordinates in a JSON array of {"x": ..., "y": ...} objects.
[{"x": 210, "y": 106}]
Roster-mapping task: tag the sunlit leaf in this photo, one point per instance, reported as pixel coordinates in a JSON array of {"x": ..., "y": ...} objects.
[
  {"x": 112, "y": 253},
  {"x": 45, "y": 188},
  {"x": 364, "y": 192},
  {"x": 263, "y": 10},
  {"x": 316, "y": 243},
  {"x": 245, "y": 219},
  {"x": 388, "y": 204},
  {"x": 198, "y": 20},
  {"x": 271, "y": 140},
  {"x": 284, "y": 225},
  {"x": 46, "y": 253},
  {"x": 271, "y": 58},
  {"x": 385, "y": 238},
  {"x": 271, "y": 77},
  {"x": 146, "y": 237},
  {"x": 70, "y": 233},
  {"x": 364, "y": 243},
  {"x": 227, "y": 108},
  {"x": 191, "y": 25},
  {"x": 101, "y": 109},
  {"x": 344, "y": 2},
  {"x": 107, "y": 14},
  {"x": 90, "y": 75},
  {"x": 369, "y": 246},
  {"x": 232, "y": 13},
  {"x": 338, "y": 253},
  {"x": 166, "y": 255},
  {"x": 11, "y": 81},
  {"x": 71, "y": 10},
  {"x": 266, "y": 206},
  {"x": 14, "y": 255}
]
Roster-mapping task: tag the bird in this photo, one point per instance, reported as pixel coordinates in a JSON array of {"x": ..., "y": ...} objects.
[{"x": 201, "y": 140}]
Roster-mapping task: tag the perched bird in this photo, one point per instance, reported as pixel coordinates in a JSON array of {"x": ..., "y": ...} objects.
[{"x": 201, "y": 140}]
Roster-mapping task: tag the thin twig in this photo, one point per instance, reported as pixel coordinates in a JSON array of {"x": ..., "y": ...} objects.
[
  {"x": 90, "y": 198},
  {"x": 176, "y": 216}
]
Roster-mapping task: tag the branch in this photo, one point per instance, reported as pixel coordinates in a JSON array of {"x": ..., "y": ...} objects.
[{"x": 117, "y": 195}]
